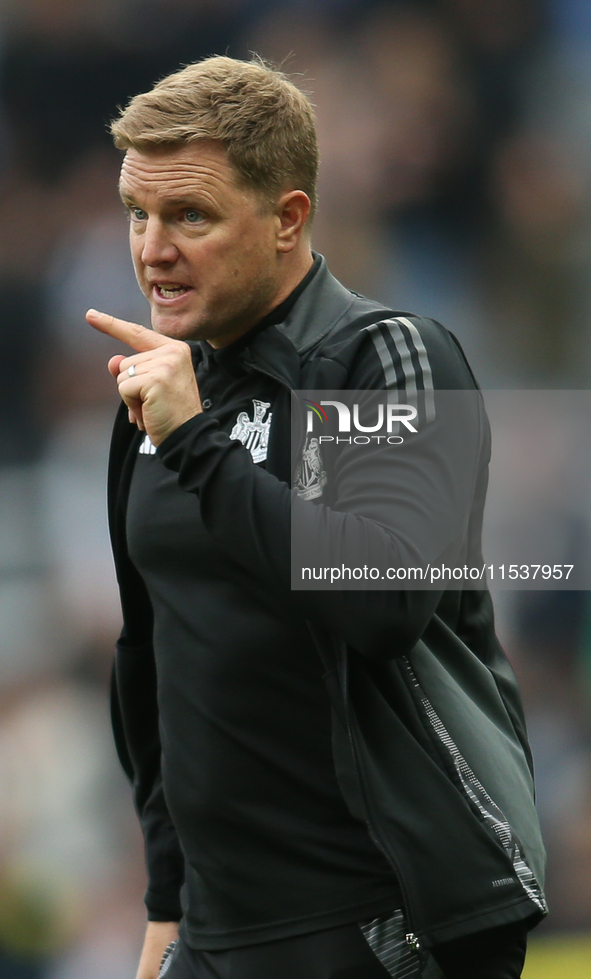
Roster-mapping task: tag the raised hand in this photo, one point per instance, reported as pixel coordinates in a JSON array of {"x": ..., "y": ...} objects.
[{"x": 158, "y": 382}]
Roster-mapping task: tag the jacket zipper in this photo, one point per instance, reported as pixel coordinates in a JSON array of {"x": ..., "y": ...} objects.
[
  {"x": 411, "y": 937},
  {"x": 477, "y": 796}
]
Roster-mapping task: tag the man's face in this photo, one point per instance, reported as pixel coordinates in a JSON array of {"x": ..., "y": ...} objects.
[{"x": 203, "y": 248}]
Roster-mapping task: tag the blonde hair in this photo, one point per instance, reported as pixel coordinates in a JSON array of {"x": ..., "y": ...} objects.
[{"x": 266, "y": 124}]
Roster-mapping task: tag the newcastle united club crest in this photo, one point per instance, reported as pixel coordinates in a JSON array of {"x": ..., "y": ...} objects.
[
  {"x": 254, "y": 432},
  {"x": 310, "y": 476}
]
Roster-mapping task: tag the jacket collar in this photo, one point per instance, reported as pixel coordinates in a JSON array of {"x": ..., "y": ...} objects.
[{"x": 317, "y": 310}]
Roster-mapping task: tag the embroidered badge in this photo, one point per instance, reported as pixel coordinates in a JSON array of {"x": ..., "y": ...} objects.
[
  {"x": 310, "y": 476},
  {"x": 254, "y": 432}
]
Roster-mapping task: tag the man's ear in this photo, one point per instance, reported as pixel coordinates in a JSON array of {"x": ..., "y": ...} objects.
[{"x": 292, "y": 211}]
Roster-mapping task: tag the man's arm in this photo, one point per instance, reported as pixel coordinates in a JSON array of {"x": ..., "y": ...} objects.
[
  {"x": 134, "y": 703},
  {"x": 409, "y": 512},
  {"x": 220, "y": 471},
  {"x": 134, "y": 714}
]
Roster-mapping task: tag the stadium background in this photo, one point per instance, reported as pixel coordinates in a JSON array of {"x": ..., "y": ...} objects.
[{"x": 456, "y": 166}]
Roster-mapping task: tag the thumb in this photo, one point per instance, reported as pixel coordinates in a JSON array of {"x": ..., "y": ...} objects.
[
  {"x": 114, "y": 364},
  {"x": 133, "y": 334}
]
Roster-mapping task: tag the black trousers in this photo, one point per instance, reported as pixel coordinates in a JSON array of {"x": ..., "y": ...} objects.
[
  {"x": 344, "y": 953},
  {"x": 498, "y": 953}
]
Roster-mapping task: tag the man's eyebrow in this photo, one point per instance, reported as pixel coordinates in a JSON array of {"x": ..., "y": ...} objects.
[{"x": 189, "y": 200}]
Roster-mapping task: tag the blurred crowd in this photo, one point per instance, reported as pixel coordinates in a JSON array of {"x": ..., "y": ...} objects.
[{"x": 455, "y": 182}]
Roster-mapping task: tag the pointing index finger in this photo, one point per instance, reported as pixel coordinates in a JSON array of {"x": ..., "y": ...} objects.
[{"x": 133, "y": 334}]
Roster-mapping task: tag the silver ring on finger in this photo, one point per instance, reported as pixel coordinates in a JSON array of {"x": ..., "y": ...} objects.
[{"x": 131, "y": 371}]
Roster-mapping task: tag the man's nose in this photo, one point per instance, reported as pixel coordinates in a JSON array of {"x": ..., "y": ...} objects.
[{"x": 157, "y": 246}]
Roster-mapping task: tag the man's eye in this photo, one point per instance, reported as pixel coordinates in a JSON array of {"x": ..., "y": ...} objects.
[
  {"x": 193, "y": 217},
  {"x": 137, "y": 214}
]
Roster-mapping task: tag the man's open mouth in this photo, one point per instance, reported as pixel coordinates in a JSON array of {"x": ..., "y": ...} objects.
[{"x": 171, "y": 291}]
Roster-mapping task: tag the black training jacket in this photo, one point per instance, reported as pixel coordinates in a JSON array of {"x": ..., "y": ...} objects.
[{"x": 429, "y": 738}]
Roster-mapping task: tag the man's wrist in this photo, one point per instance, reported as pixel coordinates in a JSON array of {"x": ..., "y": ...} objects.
[{"x": 202, "y": 420}]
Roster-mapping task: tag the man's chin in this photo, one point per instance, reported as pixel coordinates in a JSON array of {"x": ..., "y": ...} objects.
[{"x": 175, "y": 327}]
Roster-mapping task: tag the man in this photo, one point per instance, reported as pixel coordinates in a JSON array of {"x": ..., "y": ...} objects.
[{"x": 306, "y": 811}]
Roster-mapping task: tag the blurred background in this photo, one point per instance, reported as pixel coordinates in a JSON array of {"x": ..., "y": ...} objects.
[{"x": 456, "y": 183}]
